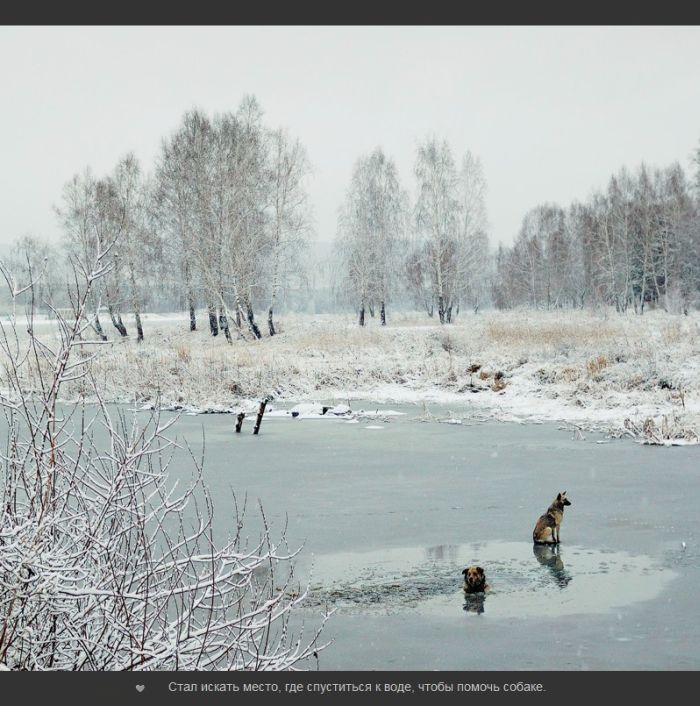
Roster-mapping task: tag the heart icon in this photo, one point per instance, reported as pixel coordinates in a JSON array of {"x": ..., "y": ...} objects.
[{"x": 140, "y": 687}]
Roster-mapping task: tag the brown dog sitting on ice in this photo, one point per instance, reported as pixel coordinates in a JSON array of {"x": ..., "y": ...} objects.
[{"x": 547, "y": 528}]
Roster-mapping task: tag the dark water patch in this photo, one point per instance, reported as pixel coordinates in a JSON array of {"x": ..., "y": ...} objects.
[{"x": 525, "y": 580}]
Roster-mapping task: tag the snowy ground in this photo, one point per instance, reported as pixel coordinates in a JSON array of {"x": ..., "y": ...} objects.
[{"x": 625, "y": 374}]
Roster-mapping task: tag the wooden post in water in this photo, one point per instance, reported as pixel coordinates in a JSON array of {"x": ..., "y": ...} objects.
[
  {"x": 258, "y": 420},
  {"x": 239, "y": 422}
]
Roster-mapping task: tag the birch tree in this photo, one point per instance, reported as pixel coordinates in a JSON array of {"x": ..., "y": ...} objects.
[
  {"x": 372, "y": 223},
  {"x": 135, "y": 242},
  {"x": 33, "y": 259},
  {"x": 354, "y": 251},
  {"x": 82, "y": 239},
  {"x": 436, "y": 219},
  {"x": 180, "y": 179},
  {"x": 474, "y": 250},
  {"x": 451, "y": 225},
  {"x": 290, "y": 214},
  {"x": 233, "y": 213},
  {"x": 108, "y": 222}
]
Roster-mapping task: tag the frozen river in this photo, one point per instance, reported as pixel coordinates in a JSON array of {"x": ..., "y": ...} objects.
[{"x": 390, "y": 510}]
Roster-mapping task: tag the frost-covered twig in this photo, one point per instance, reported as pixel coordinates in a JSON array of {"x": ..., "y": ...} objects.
[
  {"x": 103, "y": 564},
  {"x": 666, "y": 430}
]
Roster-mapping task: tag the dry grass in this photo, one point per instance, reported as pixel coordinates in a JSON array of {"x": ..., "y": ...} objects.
[
  {"x": 595, "y": 365},
  {"x": 579, "y": 358},
  {"x": 549, "y": 329},
  {"x": 183, "y": 353}
]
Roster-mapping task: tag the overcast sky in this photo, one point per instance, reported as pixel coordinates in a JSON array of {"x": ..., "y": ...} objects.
[{"x": 551, "y": 111}]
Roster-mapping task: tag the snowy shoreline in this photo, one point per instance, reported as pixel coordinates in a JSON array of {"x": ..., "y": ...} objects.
[
  {"x": 622, "y": 374},
  {"x": 521, "y": 410}
]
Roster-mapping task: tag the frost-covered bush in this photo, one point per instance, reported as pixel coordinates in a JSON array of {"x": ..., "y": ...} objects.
[{"x": 104, "y": 565}]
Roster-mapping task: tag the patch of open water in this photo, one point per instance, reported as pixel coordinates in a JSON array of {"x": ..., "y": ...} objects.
[{"x": 526, "y": 580}]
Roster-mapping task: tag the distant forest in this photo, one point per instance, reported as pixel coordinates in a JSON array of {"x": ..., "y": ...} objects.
[{"x": 220, "y": 226}]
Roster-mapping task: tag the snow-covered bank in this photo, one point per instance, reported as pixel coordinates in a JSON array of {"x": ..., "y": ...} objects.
[{"x": 626, "y": 374}]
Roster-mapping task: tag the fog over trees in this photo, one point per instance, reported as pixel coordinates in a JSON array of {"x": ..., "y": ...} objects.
[
  {"x": 230, "y": 192},
  {"x": 221, "y": 226},
  {"x": 635, "y": 244},
  {"x": 432, "y": 254},
  {"x": 448, "y": 264},
  {"x": 371, "y": 229}
]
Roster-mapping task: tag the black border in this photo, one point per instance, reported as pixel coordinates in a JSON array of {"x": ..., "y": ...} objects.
[
  {"x": 357, "y": 12},
  {"x": 119, "y": 689}
]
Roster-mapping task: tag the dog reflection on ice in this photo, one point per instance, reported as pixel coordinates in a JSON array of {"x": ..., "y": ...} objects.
[
  {"x": 548, "y": 555},
  {"x": 474, "y": 602}
]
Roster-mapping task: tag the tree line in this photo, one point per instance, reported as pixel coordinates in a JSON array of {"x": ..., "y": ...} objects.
[
  {"x": 219, "y": 224},
  {"x": 222, "y": 222},
  {"x": 635, "y": 244},
  {"x": 434, "y": 250}
]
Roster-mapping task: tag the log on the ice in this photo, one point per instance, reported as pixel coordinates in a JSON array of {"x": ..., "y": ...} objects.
[{"x": 258, "y": 420}]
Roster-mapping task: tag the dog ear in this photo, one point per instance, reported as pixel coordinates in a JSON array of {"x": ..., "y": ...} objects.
[
  {"x": 464, "y": 571},
  {"x": 558, "y": 496},
  {"x": 480, "y": 570}
]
